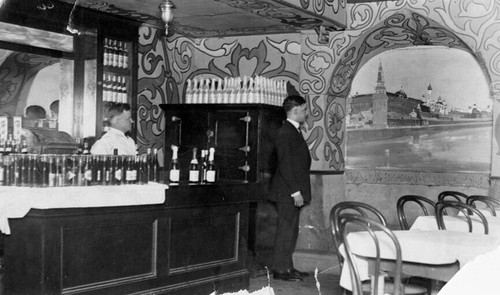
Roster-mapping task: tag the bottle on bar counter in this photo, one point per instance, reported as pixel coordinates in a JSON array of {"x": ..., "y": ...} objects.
[
  {"x": 194, "y": 172},
  {"x": 8, "y": 145},
  {"x": 142, "y": 169},
  {"x": 211, "y": 165},
  {"x": 24, "y": 146},
  {"x": 174, "y": 165},
  {"x": 154, "y": 167},
  {"x": 86, "y": 150}
]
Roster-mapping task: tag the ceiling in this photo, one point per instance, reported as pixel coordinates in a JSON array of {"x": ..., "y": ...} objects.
[{"x": 218, "y": 18}]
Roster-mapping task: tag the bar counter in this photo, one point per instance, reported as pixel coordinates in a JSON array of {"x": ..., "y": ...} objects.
[{"x": 193, "y": 242}]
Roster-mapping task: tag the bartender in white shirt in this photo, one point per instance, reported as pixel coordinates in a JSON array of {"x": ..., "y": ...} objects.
[{"x": 120, "y": 120}]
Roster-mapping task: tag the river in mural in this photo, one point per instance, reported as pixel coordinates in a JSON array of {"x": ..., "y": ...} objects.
[{"x": 464, "y": 147}]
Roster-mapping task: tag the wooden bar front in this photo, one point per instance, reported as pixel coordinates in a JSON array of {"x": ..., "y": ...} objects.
[{"x": 194, "y": 243}]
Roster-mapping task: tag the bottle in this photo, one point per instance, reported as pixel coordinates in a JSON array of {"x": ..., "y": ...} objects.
[
  {"x": 154, "y": 171},
  {"x": 116, "y": 177},
  {"x": 194, "y": 173},
  {"x": 2, "y": 172},
  {"x": 52, "y": 171},
  {"x": 174, "y": 165},
  {"x": 106, "y": 175},
  {"x": 8, "y": 145},
  {"x": 97, "y": 170},
  {"x": 203, "y": 166},
  {"x": 71, "y": 167},
  {"x": 142, "y": 167},
  {"x": 86, "y": 150},
  {"x": 87, "y": 171},
  {"x": 211, "y": 165},
  {"x": 2, "y": 146},
  {"x": 24, "y": 147}
]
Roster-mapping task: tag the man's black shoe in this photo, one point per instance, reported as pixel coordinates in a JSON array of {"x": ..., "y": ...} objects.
[
  {"x": 286, "y": 276},
  {"x": 299, "y": 273}
]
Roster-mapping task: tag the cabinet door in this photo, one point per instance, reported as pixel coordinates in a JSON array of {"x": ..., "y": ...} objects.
[
  {"x": 186, "y": 129},
  {"x": 231, "y": 141}
]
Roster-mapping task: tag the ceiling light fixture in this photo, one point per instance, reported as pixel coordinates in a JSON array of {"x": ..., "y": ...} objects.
[{"x": 167, "y": 13}]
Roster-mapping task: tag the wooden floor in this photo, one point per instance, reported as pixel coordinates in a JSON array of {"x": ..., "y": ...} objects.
[{"x": 328, "y": 281}]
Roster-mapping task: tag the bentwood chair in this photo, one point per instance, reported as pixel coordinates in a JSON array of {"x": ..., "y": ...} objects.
[
  {"x": 359, "y": 208},
  {"x": 454, "y": 195},
  {"x": 490, "y": 203},
  {"x": 421, "y": 201},
  {"x": 464, "y": 209},
  {"x": 347, "y": 222}
]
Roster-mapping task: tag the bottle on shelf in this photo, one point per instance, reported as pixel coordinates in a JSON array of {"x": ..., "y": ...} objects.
[
  {"x": 211, "y": 175},
  {"x": 194, "y": 172},
  {"x": 174, "y": 165}
]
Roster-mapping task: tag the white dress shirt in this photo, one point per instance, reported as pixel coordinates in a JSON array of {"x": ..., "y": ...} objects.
[{"x": 114, "y": 139}]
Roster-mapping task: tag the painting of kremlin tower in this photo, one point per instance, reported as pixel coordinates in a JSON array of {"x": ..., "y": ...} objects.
[{"x": 392, "y": 130}]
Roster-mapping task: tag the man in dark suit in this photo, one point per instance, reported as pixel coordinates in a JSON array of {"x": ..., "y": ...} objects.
[{"x": 290, "y": 187}]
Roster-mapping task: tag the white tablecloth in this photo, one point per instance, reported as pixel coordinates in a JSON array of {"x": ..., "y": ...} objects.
[
  {"x": 458, "y": 223},
  {"x": 15, "y": 202},
  {"x": 479, "y": 276},
  {"x": 427, "y": 247}
]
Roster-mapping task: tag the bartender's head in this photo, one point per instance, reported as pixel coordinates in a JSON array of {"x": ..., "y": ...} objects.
[{"x": 120, "y": 117}]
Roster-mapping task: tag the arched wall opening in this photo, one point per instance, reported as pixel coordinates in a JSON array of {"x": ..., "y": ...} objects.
[{"x": 382, "y": 187}]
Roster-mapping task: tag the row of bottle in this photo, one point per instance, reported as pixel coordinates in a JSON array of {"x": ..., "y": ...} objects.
[
  {"x": 77, "y": 170},
  {"x": 12, "y": 146},
  {"x": 203, "y": 171},
  {"x": 115, "y": 53},
  {"x": 114, "y": 88},
  {"x": 236, "y": 90}
]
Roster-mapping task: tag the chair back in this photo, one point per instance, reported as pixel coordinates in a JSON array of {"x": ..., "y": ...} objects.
[
  {"x": 454, "y": 195},
  {"x": 421, "y": 201},
  {"x": 464, "y": 208},
  {"x": 352, "y": 207},
  {"x": 349, "y": 221},
  {"x": 489, "y": 202}
]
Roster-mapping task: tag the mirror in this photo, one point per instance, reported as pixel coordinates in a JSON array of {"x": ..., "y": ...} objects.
[
  {"x": 31, "y": 86},
  {"x": 37, "y": 68}
]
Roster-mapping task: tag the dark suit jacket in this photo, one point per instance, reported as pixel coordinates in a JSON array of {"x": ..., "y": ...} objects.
[{"x": 294, "y": 163}]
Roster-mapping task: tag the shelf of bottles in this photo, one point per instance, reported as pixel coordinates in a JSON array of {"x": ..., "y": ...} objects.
[
  {"x": 116, "y": 71},
  {"x": 258, "y": 90},
  {"x": 47, "y": 170},
  {"x": 200, "y": 172}
]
